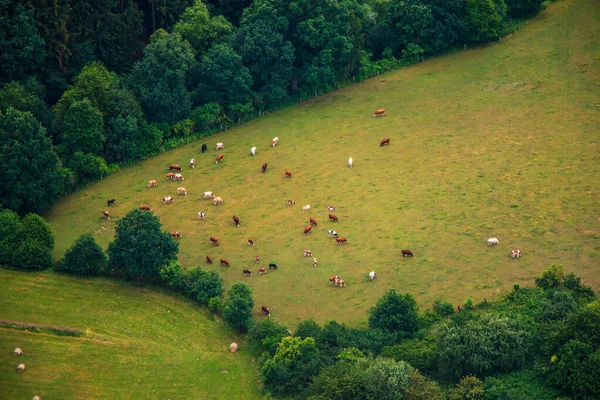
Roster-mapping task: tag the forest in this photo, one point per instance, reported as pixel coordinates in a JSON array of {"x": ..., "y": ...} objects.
[{"x": 89, "y": 86}]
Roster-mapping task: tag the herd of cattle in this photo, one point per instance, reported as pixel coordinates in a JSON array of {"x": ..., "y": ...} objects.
[{"x": 175, "y": 175}]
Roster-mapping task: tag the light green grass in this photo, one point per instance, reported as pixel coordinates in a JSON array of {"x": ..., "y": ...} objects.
[
  {"x": 139, "y": 343},
  {"x": 499, "y": 141}
]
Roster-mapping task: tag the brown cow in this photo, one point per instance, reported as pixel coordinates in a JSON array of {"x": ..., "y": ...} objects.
[
  {"x": 379, "y": 113},
  {"x": 106, "y": 214},
  {"x": 265, "y": 309},
  {"x": 341, "y": 283},
  {"x": 170, "y": 176},
  {"x": 145, "y": 207},
  {"x": 176, "y": 235},
  {"x": 247, "y": 272},
  {"x": 264, "y": 167},
  {"x": 236, "y": 220},
  {"x": 152, "y": 183},
  {"x": 291, "y": 203},
  {"x": 224, "y": 262},
  {"x": 341, "y": 240},
  {"x": 384, "y": 142},
  {"x": 251, "y": 242},
  {"x": 208, "y": 260},
  {"x": 214, "y": 240},
  {"x": 333, "y": 218},
  {"x": 219, "y": 158},
  {"x": 407, "y": 253},
  {"x": 313, "y": 222},
  {"x": 257, "y": 258},
  {"x": 288, "y": 174},
  {"x": 262, "y": 271},
  {"x": 307, "y": 229},
  {"x": 334, "y": 279},
  {"x": 175, "y": 167}
]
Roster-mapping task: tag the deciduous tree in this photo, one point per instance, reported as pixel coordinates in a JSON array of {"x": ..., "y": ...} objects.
[
  {"x": 395, "y": 313},
  {"x": 237, "y": 311},
  {"x": 85, "y": 257}
]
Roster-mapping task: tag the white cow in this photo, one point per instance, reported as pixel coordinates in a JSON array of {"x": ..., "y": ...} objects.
[
  {"x": 306, "y": 207},
  {"x": 275, "y": 141},
  {"x": 193, "y": 163},
  {"x": 492, "y": 241},
  {"x": 372, "y": 275},
  {"x": 181, "y": 190},
  {"x": 179, "y": 177},
  {"x": 168, "y": 200},
  {"x": 208, "y": 195},
  {"x": 315, "y": 262},
  {"x": 217, "y": 200},
  {"x": 331, "y": 233},
  {"x": 253, "y": 150},
  {"x": 350, "y": 162},
  {"x": 220, "y": 146},
  {"x": 515, "y": 253},
  {"x": 307, "y": 253},
  {"x": 201, "y": 215}
]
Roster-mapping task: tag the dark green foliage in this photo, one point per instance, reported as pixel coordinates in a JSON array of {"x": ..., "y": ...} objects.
[
  {"x": 523, "y": 8},
  {"x": 308, "y": 328},
  {"x": 443, "y": 308},
  {"x": 87, "y": 167},
  {"x": 10, "y": 227},
  {"x": 31, "y": 254},
  {"x": 449, "y": 27},
  {"x": 551, "y": 277},
  {"x": 129, "y": 139},
  {"x": 29, "y": 177},
  {"x": 173, "y": 275},
  {"x": 483, "y": 345},
  {"x": 140, "y": 248},
  {"x": 420, "y": 354},
  {"x": 469, "y": 388},
  {"x": 267, "y": 333},
  {"x": 395, "y": 313},
  {"x": 521, "y": 385},
  {"x": 83, "y": 128},
  {"x": 237, "y": 310},
  {"x": 409, "y": 23},
  {"x": 85, "y": 257},
  {"x": 159, "y": 78},
  {"x": 202, "y": 285},
  {"x": 26, "y": 96},
  {"x": 576, "y": 368},
  {"x": 208, "y": 116},
  {"x": 422, "y": 388},
  {"x": 484, "y": 19},
  {"x": 21, "y": 48}
]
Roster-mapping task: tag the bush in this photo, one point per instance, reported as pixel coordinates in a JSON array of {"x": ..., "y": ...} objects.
[
  {"x": 418, "y": 353},
  {"x": 468, "y": 303},
  {"x": 395, "y": 313},
  {"x": 521, "y": 385},
  {"x": 10, "y": 225},
  {"x": 85, "y": 257},
  {"x": 551, "y": 277},
  {"x": 422, "y": 388},
  {"x": 267, "y": 333},
  {"x": 237, "y": 311},
  {"x": 202, "y": 285},
  {"x": 214, "y": 304},
  {"x": 31, "y": 254},
  {"x": 443, "y": 308},
  {"x": 469, "y": 388}
]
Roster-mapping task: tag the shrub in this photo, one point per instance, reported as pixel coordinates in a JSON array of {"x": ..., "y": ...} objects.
[
  {"x": 443, "y": 308},
  {"x": 395, "y": 313},
  {"x": 521, "y": 385},
  {"x": 468, "y": 303},
  {"x": 267, "y": 333},
  {"x": 469, "y": 388},
  {"x": 422, "y": 388},
  {"x": 202, "y": 285},
  {"x": 237, "y": 311},
  {"x": 85, "y": 257},
  {"x": 551, "y": 277},
  {"x": 420, "y": 354},
  {"x": 173, "y": 276},
  {"x": 214, "y": 304},
  {"x": 10, "y": 225},
  {"x": 31, "y": 254}
]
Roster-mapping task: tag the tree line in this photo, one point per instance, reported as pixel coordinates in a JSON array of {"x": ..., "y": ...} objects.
[{"x": 88, "y": 86}]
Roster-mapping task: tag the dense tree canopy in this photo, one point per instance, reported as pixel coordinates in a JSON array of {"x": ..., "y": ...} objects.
[
  {"x": 395, "y": 313},
  {"x": 85, "y": 257}
]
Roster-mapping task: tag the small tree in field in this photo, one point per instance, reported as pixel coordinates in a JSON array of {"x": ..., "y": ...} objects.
[
  {"x": 141, "y": 248},
  {"x": 469, "y": 388},
  {"x": 395, "y": 313},
  {"x": 35, "y": 245},
  {"x": 85, "y": 257},
  {"x": 237, "y": 311}
]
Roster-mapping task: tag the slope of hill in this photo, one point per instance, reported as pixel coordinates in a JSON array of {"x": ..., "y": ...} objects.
[{"x": 499, "y": 141}]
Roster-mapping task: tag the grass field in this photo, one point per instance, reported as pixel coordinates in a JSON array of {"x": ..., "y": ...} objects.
[
  {"x": 499, "y": 141},
  {"x": 138, "y": 344}
]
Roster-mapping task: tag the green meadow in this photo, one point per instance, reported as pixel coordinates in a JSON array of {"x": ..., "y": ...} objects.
[{"x": 497, "y": 141}]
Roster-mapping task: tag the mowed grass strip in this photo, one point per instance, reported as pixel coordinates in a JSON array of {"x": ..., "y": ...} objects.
[
  {"x": 139, "y": 343},
  {"x": 499, "y": 141}
]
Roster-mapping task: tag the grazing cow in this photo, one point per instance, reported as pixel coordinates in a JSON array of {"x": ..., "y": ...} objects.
[
  {"x": 272, "y": 266},
  {"x": 306, "y": 207},
  {"x": 384, "y": 142},
  {"x": 208, "y": 195},
  {"x": 170, "y": 176},
  {"x": 168, "y": 200},
  {"x": 379, "y": 113},
  {"x": 334, "y": 280},
  {"x": 253, "y": 150},
  {"x": 315, "y": 262},
  {"x": 307, "y": 253},
  {"x": 288, "y": 174},
  {"x": 257, "y": 258},
  {"x": 176, "y": 235},
  {"x": 313, "y": 222},
  {"x": 181, "y": 190},
  {"x": 350, "y": 161},
  {"x": 275, "y": 141},
  {"x": 247, "y": 272},
  {"x": 261, "y": 271},
  {"x": 224, "y": 262},
  {"x": 264, "y": 167},
  {"x": 341, "y": 283},
  {"x": 204, "y": 147},
  {"x": 307, "y": 230},
  {"x": 333, "y": 218},
  {"x": 341, "y": 240},
  {"x": 220, "y": 146},
  {"x": 332, "y": 234},
  {"x": 214, "y": 240},
  {"x": 330, "y": 208},
  {"x": 145, "y": 207},
  {"x": 291, "y": 203},
  {"x": 175, "y": 167},
  {"x": 492, "y": 241},
  {"x": 208, "y": 260},
  {"x": 250, "y": 242},
  {"x": 372, "y": 275},
  {"x": 515, "y": 253},
  {"x": 219, "y": 158},
  {"x": 106, "y": 214},
  {"x": 179, "y": 177},
  {"x": 217, "y": 200},
  {"x": 111, "y": 202},
  {"x": 407, "y": 253},
  {"x": 193, "y": 163},
  {"x": 201, "y": 215},
  {"x": 236, "y": 220},
  {"x": 152, "y": 183},
  {"x": 265, "y": 309}
]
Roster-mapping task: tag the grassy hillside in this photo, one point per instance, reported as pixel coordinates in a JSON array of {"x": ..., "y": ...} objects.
[
  {"x": 499, "y": 141},
  {"x": 138, "y": 343}
]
